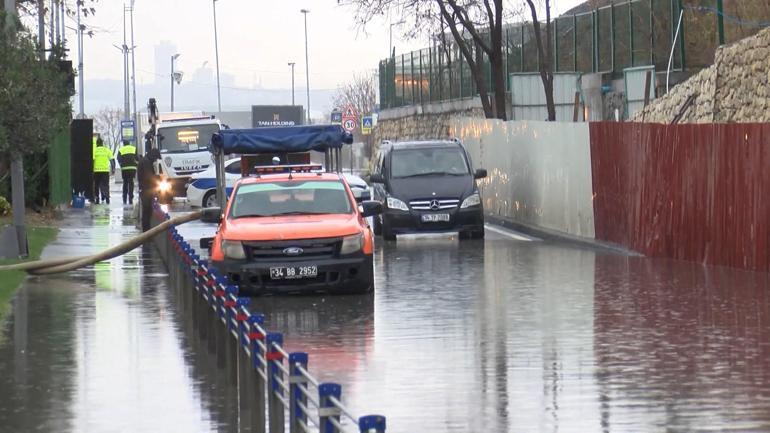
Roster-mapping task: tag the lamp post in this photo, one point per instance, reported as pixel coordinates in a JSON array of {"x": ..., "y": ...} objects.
[
  {"x": 133, "y": 79},
  {"x": 216, "y": 54},
  {"x": 173, "y": 58},
  {"x": 292, "y": 82},
  {"x": 390, "y": 37},
  {"x": 307, "y": 69}
]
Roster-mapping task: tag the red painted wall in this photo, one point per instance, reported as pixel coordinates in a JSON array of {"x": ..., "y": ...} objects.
[{"x": 691, "y": 192}]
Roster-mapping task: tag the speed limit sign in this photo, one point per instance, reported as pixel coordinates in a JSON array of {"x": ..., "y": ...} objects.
[{"x": 349, "y": 124}]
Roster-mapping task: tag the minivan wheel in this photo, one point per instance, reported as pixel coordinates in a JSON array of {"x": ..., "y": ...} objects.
[
  {"x": 472, "y": 234},
  {"x": 377, "y": 225},
  {"x": 387, "y": 233}
]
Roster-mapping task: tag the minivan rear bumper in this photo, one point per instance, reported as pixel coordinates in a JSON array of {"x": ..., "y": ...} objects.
[{"x": 460, "y": 220}]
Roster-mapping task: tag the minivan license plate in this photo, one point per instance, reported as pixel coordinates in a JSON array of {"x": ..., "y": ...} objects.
[
  {"x": 435, "y": 217},
  {"x": 293, "y": 272}
]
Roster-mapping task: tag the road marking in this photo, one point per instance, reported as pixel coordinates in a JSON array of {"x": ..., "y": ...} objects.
[{"x": 510, "y": 234}]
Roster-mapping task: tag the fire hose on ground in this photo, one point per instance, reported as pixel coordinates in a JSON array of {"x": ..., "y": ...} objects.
[{"x": 56, "y": 266}]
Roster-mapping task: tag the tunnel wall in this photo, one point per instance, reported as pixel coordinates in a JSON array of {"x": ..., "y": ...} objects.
[
  {"x": 539, "y": 172},
  {"x": 691, "y": 192}
]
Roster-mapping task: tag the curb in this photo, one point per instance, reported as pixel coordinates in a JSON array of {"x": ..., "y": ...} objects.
[{"x": 558, "y": 236}]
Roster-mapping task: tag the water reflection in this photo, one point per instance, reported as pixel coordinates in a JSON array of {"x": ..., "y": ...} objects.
[{"x": 681, "y": 346}]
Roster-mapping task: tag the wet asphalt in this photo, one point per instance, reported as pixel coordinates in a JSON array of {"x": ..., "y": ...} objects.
[{"x": 503, "y": 335}]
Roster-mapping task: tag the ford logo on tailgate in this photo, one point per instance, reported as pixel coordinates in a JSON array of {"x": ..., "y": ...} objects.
[{"x": 293, "y": 251}]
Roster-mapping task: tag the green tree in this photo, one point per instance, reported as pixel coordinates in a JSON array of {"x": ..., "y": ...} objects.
[{"x": 34, "y": 103}]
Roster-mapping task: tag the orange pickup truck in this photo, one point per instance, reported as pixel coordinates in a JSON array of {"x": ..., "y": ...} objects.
[{"x": 295, "y": 231}]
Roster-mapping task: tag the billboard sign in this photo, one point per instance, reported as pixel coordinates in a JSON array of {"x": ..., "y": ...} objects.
[{"x": 263, "y": 116}]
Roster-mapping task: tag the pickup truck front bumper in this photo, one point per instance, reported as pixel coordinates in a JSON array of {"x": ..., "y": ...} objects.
[{"x": 354, "y": 274}]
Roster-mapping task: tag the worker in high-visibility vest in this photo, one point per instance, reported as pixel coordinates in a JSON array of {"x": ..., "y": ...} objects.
[
  {"x": 128, "y": 160},
  {"x": 104, "y": 164}
]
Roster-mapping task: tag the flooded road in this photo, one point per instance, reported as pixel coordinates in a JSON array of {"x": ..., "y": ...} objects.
[{"x": 502, "y": 335}]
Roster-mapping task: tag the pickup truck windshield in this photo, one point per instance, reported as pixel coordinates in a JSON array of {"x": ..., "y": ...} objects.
[
  {"x": 290, "y": 198},
  {"x": 175, "y": 139},
  {"x": 428, "y": 161}
]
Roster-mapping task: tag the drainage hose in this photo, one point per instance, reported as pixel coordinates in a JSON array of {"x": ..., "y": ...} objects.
[{"x": 55, "y": 266}]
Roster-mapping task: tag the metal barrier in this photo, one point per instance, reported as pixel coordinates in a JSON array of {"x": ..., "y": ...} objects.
[{"x": 286, "y": 392}]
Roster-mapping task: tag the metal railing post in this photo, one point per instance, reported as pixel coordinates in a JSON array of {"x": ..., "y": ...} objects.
[
  {"x": 371, "y": 424},
  {"x": 276, "y": 414},
  {"x": 631, "y": 31},
  {"x": 327, "y": 409},
  {"x": 256, "y": 321},
  {"x": 574, "y": 43},
  {"x": 296, "y": 415}
]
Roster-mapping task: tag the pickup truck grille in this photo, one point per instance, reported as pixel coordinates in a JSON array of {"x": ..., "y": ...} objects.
[
  {"x": 442, "y": 204},
  {"x": 292, "y": 250}
]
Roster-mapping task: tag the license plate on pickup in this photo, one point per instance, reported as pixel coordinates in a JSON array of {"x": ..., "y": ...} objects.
[
  {"x": 293, "y": 272},
  {"x": 435, "y": 217}
]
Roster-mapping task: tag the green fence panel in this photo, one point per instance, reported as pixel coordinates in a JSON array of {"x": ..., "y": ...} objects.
[
  {"x": 609, "y": 39},
  {"x": 59, "y": 170}
]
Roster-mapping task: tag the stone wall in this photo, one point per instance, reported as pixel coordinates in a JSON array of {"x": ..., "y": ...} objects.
[
  {"x": 736, "y": 88},
  {"x": 424, "y": 122}
]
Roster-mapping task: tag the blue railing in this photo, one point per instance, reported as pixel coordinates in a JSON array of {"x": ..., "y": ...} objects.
[{"x": 287, "y": 391}]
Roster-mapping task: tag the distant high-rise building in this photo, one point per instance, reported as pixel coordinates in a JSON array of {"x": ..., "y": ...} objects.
[
  {"x": 203, "y": 75},
  {"x": 163, "y": 52}
]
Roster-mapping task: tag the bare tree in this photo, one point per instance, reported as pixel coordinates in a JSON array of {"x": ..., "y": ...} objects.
[
  {"x": 545, "y": 53},
  {"x": 360, "y": 93},
  {"x": 107, "y": 124},
  {"x": 476, "y": 26}
]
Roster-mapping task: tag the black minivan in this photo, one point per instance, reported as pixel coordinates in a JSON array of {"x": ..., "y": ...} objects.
[{"x": 427, "y": 186}]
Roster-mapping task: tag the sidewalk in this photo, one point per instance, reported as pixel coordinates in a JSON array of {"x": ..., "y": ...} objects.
[{"x": 99, "y": 349}]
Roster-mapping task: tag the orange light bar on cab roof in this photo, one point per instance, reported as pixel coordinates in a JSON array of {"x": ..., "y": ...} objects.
[{"x": 295, "y": 168}]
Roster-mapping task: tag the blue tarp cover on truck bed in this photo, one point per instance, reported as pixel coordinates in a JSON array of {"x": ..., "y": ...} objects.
[{"x": 281, "y": 139}]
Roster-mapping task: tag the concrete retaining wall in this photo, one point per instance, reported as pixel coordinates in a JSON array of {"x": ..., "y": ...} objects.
[{"x": 539, "y": 172}]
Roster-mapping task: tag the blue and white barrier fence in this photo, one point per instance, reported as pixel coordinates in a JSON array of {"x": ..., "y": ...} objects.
[{"x": 287, "y": 392}]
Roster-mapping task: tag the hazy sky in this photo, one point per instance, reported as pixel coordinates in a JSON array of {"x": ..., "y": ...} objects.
[{"x": 257, "y": 38}]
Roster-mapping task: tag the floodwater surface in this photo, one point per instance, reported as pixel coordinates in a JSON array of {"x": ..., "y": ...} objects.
[{"x": 503, "y": 335}]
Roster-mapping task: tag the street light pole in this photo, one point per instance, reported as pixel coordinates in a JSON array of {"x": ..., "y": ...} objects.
[
  {"x": 126, "y": 103},
  {"x": 173, "y": 58},
  {"x": 133, "y": 79},
  {"x": 307, "y": 69},
  {"x": 81, "y": 97},
  {"x": 390, "y": 37},
  {"x": 17, "y": 162},
  {"x": 216, "y": 53},
  {"x": 292, "y": 82}
]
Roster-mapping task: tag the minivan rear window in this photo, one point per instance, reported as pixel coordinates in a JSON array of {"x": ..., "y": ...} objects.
[{"x": 428, "y": 161}]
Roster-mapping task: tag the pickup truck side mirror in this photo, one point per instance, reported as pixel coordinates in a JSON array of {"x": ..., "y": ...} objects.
[
  {"x": 365, "y": 196},
  {"x": 480, "y": 173},
  {"x": 211, "y": 215},
  {"x": 376, "y": 178},
  {"x": 371, "y": 208}
]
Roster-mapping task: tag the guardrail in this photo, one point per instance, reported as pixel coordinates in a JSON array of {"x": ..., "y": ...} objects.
[{"x": 287, "y": 393}]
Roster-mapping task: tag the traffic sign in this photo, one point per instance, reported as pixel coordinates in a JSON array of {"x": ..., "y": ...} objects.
[
  {"x": 366, "y": 125},
  {"x": 127, "y": 130},
  {"x": 349, "y": 112},
  {"x": 349, "y": 125},
  {"x": 336, "y": 117}
]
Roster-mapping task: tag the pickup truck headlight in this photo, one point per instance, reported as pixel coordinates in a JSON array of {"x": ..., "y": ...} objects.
[
  {"x": 472, "y": 200},
  {"x": 164, "y": 186},
  {"x": 352, "y": 244},
  {"x": 394, "y": 203},
  {"x": 233, "y": 250}
]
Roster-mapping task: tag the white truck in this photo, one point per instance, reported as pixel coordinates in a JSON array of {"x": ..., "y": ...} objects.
[{"x": 183, "y": 142}]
